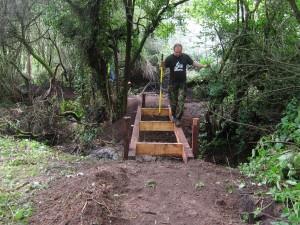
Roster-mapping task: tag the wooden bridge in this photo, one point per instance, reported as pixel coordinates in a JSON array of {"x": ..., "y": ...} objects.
[{"x": 134, "y": 147}]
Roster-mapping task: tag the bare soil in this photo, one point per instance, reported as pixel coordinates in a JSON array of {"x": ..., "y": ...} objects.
[
  {"x": 158, "y": 136},
  {"x": 162, "y": 191}
]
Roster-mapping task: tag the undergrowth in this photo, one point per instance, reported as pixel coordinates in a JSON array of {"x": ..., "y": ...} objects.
[
  {"x": 25, "y": 166},
  {"x": 276, "y": 162}
]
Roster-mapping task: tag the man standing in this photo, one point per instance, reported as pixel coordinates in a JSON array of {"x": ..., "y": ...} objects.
[{"x": 177, "y": 63}]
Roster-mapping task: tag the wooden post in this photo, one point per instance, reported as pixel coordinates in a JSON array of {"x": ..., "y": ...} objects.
[
  {"x": 126, "y": 132},
  {"x": 143, "y": 100},
  {"x": 195, "y": 132}
]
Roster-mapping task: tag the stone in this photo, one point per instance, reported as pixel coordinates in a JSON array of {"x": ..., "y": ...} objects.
[{"x": 109, "y": 153}]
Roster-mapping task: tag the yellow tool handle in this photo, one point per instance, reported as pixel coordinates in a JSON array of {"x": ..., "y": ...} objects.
[
  {"x": 160, "y": 91},
  {"x": 161, "y": 80}
]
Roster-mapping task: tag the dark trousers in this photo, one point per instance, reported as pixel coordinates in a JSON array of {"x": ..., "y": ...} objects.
[{"x": 177, "y": 95}]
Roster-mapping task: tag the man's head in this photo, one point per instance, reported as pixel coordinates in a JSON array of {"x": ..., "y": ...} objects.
[{"x": 177, "y": 50}]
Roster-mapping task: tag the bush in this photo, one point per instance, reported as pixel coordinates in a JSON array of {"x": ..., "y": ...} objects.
[
  {"x": 73, "y": 106},
  {"x": 276, "y": 162}
]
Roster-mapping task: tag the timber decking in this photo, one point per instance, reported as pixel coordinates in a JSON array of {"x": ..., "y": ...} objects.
[{"x": 179, "y": 149}]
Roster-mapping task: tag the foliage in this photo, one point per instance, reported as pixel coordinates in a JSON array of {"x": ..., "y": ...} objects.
[
  {"x": 57, "y": 49},
  {"x": 22, "y": 165},
  {"x": 73, "y": 106},
  {"x": 85, "y": 136},
  {"x": 198, "y": 81},
  {"x": 256, "y": 77},
  {"x": 165, "y": 30},
  {"x": 106, "y": 34},
  {"x": 275, "y": 162},
  {"x": 43, "y": 121}
]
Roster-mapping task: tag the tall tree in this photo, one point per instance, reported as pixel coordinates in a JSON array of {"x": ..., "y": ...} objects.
[
  {"x": 246, "y": 89},
  {"x": 99, "y": 29}
]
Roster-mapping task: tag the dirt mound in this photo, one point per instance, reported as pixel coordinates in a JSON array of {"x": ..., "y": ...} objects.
[
  {"x": 86, "y": 198},
  {"x": 132, "y": 193}
]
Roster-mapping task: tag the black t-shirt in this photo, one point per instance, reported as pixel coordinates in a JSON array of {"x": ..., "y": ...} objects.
[{"x": 177, "y": 67}]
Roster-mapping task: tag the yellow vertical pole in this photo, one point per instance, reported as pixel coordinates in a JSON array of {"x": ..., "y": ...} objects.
[{"x": 161, "y": 81}]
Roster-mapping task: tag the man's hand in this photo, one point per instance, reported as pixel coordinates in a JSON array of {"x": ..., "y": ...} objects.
[{"x": 200, "y": 66}]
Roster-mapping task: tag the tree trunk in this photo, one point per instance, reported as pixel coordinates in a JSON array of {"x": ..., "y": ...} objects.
[
  {"x": 29, "y": 74},
  {"x": 129, "y": 8},
  {"x": 117, "y": 70}
]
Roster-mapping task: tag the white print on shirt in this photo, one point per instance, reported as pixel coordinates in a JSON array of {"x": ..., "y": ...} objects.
[{"x": 178, "y": 67}]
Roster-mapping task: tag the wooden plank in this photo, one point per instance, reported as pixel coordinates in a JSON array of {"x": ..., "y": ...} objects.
[
  {"x": 143, "y": 100},
  {"x": 195, "y": 132},
  {"x": 135, "y": 134},
  {"x": 182, "y": 139},
  {"x": 156, "y": 126},
  {"x": 170, "y": 112},
  {"x": 159, "y": 149},
  {"x": 155, "y": 112}
]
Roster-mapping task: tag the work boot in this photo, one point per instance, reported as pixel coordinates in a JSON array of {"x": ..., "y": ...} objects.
[{"x": 177, "y": 123}]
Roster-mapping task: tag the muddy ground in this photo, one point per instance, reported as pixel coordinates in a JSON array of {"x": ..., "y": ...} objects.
[
  {"x": 146, "y": 192},
  {"x": 162, "y": 192}
]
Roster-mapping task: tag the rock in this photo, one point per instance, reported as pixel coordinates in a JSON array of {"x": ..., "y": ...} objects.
[{"x": 105, "y": 153}]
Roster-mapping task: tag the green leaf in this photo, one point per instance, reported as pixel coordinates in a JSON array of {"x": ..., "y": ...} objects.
[
  {"x": 199, "y": 185},
  {"x": 151, "y": 184},
  {"x": 20, "y": 214}
]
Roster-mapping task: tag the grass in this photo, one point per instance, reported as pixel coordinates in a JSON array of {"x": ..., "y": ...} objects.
[{"x": 25, "y": 167}]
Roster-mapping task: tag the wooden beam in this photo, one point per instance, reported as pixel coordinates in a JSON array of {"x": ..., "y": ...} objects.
[
  {"x": 156, "y": 126},
  {"x": 143, "y": 100},
  {"x": 159, "y": 149},
  {"x": 155, "y": 112},
  {"x": 126, "y": 135},
  {"x": 182, "y": 139},
  {"x": 135, "y": 134},
  {"x": 170, "y": 112},
  {"x": 195, "y": 132},
  {"x": 188, "y": 153}
]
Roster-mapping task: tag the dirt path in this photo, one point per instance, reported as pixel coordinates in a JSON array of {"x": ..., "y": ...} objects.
[
  {"x": 177, "y": 194},
  {"x": 133, "y": 193},
  {"x": 143, "y": 193}
]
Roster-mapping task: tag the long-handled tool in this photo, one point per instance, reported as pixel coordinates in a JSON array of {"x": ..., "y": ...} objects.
[{"x": 161, "y": 81}]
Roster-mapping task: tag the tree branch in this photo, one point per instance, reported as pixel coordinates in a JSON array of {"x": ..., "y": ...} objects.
[
  {"x": 24, "y": 76},
  {"x": 153, "y": 25},
  {"x": 295, "y": 9},
  {"x": 257, "y": 3}
]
